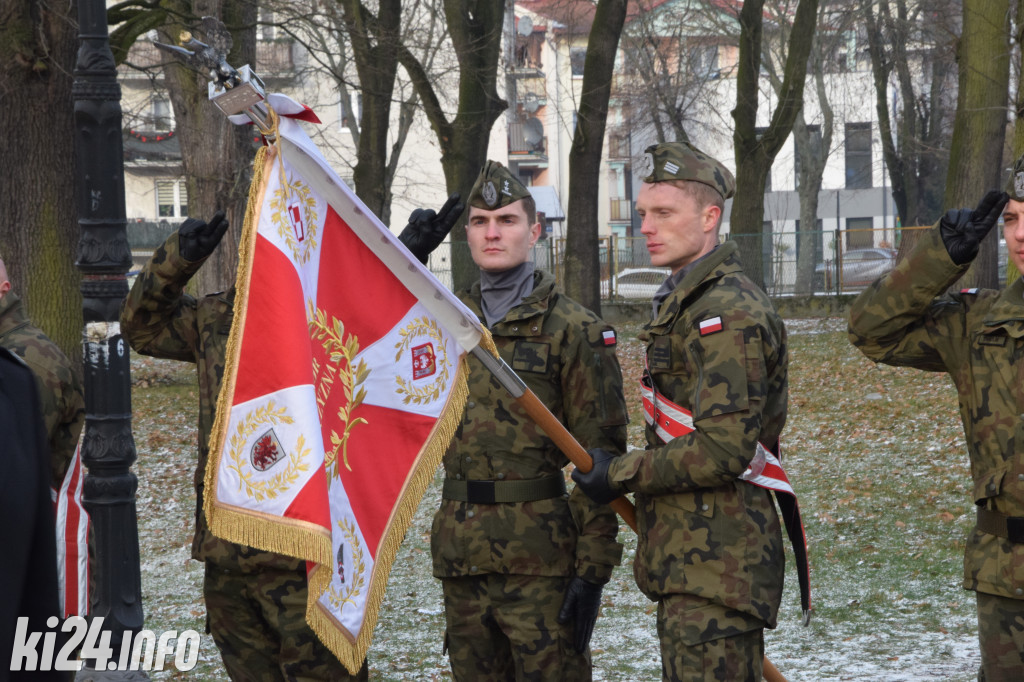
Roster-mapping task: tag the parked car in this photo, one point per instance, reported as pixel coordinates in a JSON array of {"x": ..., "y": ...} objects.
[
  {"x": 634, "y": 283},
  {"x": 860, "y": 267}
]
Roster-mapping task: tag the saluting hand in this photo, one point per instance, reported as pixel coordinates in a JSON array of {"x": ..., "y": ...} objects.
[
  {"x": 426, "y": 229},
  {"x": 963, "y": 229},
  {"x": 198, "y": 239}
]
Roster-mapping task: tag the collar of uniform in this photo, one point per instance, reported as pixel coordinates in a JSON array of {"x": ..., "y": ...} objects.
[
  {"x": 722, "y": 261},
  {"x": 12, "y": 312},
  {"x": 1007, "y": 310}
]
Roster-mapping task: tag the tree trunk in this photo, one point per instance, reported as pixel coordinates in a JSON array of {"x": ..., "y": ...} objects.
[
  {"x": 582, "y": 262},
  {"x": 216, "y": 154},
  {"x": 475, "y": 29},
  {"x": 38, "y": 210},
  {"x": 374, "y": 42},
  {"x": 980, "y": 122},
  {"x": 755, "y": 153}
]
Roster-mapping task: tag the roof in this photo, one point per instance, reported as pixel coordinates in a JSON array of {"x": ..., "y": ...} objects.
[
  {"x": 577, "y": 16},
  {"x": 547, "y": 201}
]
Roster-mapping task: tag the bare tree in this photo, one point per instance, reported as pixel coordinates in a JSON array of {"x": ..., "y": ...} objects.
[
  {"x": 913, "y": 53},
  {"x": 39, "y": 228},
  {"x": 980, "y": 124},
  {"x": 672, "y": 54},
  {"x": 756, "y": 150},
  {"x": 582, "y": 265},
  {"x": 475, "y": 29}
]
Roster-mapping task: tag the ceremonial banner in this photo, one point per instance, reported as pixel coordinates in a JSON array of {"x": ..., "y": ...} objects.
[
  {"x": 72, "y": 539},
  {"x": 344, "y": 383}
]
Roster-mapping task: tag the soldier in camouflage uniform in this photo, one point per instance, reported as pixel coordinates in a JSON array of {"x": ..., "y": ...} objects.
[
  {"x": 255, "y": 600},
  {"x": 521, "y": 563},
  {"x": 907, "y": 318},
  {"x": 709, "y": 545},
  {"x": 60, "y": 388}
]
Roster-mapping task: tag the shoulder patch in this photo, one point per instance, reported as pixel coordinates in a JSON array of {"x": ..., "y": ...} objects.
[
  {"x": 710, "y": 325},
  {"x": 608, "y": 337},
  {"x": 972, "y": 290}
]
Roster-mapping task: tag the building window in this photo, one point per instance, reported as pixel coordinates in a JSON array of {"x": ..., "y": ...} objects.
[
  {"x": 858, "y": 155},
  {"x": 171, "y": 199},
  {"x": 266, "y": 28},
  {"x": 161, "y": 115},
  {"x": 860, "y": 233},
  {"x": 577, "y": 57},
  {"x": 704, "y": 61},
  {"x": 814, "y": 149},
  {"x": 356, "y": 102}
]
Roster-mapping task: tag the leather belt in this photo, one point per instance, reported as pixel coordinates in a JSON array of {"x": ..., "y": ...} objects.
[
  {"x": 504, "y": 492},
  {"x": 1001, "y": 525}
]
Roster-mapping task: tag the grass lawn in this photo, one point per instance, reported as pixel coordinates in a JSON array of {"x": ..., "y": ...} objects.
[{"x": 875, "y": 453}]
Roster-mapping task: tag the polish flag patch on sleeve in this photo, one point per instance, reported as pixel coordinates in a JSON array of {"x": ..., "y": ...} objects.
[
  {"x": 710, "y": 325},
  {"x": 608, "y": 336}
]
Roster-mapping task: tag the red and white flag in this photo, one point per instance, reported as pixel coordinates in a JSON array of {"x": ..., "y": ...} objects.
[
  {"x": 344, "y": 383},
  {"x": 72, "y": 539}
]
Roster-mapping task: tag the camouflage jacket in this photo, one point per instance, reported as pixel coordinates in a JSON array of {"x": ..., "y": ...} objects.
[
  {"x": 159, "y": 319},
  {"x": 60, "y": 388},
  {"x": 558, "y": 349},
  {"x": 701, "y": 530},
  {"x": 977, "y": 337}
]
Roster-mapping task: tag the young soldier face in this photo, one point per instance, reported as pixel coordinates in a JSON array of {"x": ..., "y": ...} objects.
[
  {"x": 500, "y": 239},
  {"x": 1013, "y": 232},
  {"x": 678, "y": 230}
]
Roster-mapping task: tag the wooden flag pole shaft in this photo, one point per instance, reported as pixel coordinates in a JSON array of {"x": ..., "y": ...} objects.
[
  {"x": 568, "y": 444},
  {"x": 565, "y": 441}
]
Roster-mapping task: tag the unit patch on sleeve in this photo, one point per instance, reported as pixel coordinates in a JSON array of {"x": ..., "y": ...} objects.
[
  {"x": 608, "y": 335},
  {"x": 710, "y": 325}
]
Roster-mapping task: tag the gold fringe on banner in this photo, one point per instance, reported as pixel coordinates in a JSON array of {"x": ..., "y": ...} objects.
[
  {"x": 352, "y": 653},
  {"x": 293, "y": 538}
]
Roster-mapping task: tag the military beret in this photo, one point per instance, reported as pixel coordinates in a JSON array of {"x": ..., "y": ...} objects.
[
  {"x": 1015, "y": 183},
  {"x": 683, "y": 161},
  {"x": 496, "y": 187}
]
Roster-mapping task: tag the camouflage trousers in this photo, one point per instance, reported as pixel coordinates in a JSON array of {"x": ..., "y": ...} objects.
[
  {"x": 258, "y": 621},
  {"x": 504, "y": 627},
  {"x": 1001, "y": 635},
  {"x": 706, "y": 642}
]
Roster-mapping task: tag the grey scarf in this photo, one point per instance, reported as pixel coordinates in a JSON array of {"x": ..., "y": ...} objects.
[{"x": 501, "y": 291}]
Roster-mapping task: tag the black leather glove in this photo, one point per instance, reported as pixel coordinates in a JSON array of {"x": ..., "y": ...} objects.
[
  {"x": 595, "y": 482},
  {"x": 197, "y": 240},
  {"x": 963, "y": 229},
  {"x": 426, "y": 229},
  {"x": 581, "y": 605}
]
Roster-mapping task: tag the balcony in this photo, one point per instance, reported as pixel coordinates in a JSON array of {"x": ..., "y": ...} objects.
[
  {"x": 621, "y": 210},
  {"x": 527, "y": 144}
]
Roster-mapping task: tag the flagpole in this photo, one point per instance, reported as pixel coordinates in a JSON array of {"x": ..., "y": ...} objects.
[
  {"x": 539, "y": 413},
  {"x": 568, "y": 444}
]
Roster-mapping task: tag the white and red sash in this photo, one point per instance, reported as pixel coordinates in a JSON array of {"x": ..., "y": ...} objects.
[
  {"x": 72, "y": 539},
  {"x": 672, "y": 421}
]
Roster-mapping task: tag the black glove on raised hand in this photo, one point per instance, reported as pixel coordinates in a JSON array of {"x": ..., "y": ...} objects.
[
  {"x": 595, "y": 482},
  {"x": 963, "y": 229},
  {"x": 197, "y": 239},
  {"x": 581, "y": 605},
  {"x": 426, "y": 229}
]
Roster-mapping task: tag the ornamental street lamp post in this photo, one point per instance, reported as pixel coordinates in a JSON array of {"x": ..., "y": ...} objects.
[{"x": 104, "y": 258}]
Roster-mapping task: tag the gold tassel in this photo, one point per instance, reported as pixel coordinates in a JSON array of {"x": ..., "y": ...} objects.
[{"x": 351, "y": 653}]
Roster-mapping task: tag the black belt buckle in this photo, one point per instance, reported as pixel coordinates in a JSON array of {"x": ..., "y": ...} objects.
[
  {"x": 480, "y": 492},
  {"x": 1015, "y": 529}
]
